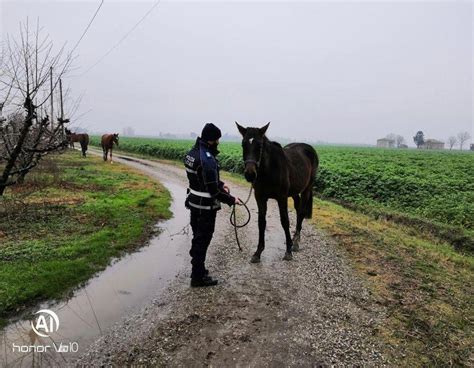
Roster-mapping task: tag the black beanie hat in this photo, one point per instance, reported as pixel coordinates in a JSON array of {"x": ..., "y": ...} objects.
[{"x": 210, "y": 132}]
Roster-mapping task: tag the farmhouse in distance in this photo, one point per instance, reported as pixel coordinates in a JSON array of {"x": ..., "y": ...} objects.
[
  {"x": 386, "y": 143},
  {"x": 432, "y": 144}
]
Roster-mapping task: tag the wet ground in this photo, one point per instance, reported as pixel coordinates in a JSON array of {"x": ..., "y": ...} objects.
[{"x": 311, "y": 311}]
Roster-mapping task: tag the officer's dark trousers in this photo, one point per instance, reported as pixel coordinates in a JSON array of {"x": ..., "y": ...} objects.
[{"x": 202, "y": 224}]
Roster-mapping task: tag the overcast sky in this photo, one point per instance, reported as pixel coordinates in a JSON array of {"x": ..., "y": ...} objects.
[{"x": 342, "y": 72}]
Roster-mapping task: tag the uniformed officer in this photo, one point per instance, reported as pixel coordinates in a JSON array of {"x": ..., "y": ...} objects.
[{"x": 205, "y": 193}]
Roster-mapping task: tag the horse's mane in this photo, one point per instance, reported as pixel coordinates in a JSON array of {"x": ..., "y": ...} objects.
[
  {"x": 273, "y": 143},
  {"x": 276, "y": 144}
]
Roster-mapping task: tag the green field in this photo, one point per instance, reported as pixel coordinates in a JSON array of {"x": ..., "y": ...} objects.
[{"x": 431, "y": 188}]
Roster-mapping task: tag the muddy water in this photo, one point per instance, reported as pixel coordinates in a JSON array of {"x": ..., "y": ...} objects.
[{"x": 123, "y": 288}]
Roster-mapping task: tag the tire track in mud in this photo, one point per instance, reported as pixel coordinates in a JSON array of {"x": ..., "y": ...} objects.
[{"x": 312, "y": 311}]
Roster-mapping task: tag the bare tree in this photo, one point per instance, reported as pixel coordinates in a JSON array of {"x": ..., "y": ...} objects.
[
  {"x": 391, "y": 136},
  {"x": 452, "y": 142},
  {"x": 26, "y": 136},
  {"x": 463, "y": 137},
  {"x": 399, "y": 140}
]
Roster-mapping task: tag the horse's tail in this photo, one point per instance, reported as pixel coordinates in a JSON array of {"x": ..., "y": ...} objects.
[
  {"x": 84, "y": 144},
  {"x": 307, "y": 204},
  {"x": 308, "y": 208}
]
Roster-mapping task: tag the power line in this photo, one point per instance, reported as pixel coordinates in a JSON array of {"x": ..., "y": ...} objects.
[
  {"x": 87, "y": 28},
  {"x": 66, "y": 64},
  {"x": 123, "y": 38}
]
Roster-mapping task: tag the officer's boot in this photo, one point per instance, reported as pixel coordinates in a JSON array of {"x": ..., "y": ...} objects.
[{"x": 205, "y": 281}]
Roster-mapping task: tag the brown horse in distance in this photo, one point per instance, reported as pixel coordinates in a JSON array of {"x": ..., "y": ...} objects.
[
  {"x": 82, "y": 138},
  {"x": 107, "y": 143},
  {"x": 278, "y": 172}
]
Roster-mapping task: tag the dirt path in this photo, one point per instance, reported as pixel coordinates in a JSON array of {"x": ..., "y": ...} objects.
[{"x": 311, "y": 311}]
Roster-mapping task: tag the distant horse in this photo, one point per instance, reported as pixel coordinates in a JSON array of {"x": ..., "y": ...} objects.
[
  {"x": 279, "y": 172},
  {"x": 82, "y": 138},
  {"x": 107, "y": 143}
]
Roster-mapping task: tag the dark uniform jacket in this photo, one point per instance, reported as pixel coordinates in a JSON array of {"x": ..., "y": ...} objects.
[{"x": 205, "y": 190}]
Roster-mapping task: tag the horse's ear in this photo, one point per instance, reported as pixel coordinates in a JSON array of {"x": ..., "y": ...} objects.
[
  {"x": 242, "y": 130},
  {"x": 264, "y": 129}
]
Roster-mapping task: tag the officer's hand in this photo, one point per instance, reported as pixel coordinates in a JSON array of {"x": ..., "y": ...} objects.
[
  {"x": 226, "y": 188},
  {"x": 238, "y": 201}
]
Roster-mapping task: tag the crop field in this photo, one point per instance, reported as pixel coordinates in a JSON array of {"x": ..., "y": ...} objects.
[{"x": 435, "y": 186}]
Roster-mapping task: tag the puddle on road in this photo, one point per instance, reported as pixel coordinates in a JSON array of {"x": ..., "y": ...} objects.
[{"x": 118, "y": 291}]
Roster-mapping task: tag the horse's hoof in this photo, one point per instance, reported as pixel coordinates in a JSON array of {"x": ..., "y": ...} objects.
[
  {"x": 255, "y": 259},
  {"x": 296, "y": 239},
  {"x": 295, "y": 248},
  {"x": 288, "y": 256}
]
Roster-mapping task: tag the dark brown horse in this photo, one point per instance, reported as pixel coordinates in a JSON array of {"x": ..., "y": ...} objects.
[
  {"x": 107, "y": 143},
  {"x": 279, "y": 172},
  {"x": 82, "y": 138}
]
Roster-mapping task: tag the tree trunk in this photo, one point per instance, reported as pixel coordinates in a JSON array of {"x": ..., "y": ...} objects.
[{"x": 19, "y": 145}]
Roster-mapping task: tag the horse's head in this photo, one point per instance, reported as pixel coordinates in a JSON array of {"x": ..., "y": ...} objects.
[
  {"x": 115, "y": 139},
  {"x": 252, "y": 146}
]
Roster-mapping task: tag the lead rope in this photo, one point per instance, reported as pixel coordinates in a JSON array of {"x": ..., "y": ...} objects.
[{"x": 233, "y": 218}]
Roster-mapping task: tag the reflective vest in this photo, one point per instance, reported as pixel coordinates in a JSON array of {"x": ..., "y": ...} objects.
[{"x": 205, "y": 190}]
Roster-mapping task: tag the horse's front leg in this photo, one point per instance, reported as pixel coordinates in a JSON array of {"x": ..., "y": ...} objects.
[
  {"x": 262, "y": 224},
  {"x": 285, "y": 223},
  {"x": 111, "y": 161}
]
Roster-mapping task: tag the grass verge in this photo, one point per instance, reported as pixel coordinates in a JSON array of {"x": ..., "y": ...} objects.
[
  {"x": 425, "y": 285},
  {"x": 69, "y": 219}
]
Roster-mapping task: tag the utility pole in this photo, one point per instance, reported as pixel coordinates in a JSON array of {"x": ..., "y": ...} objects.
[
  {"x": 52, "y": 109},
  {"x": 61, "y": 97},
  {"x": 62, "y": 110}
]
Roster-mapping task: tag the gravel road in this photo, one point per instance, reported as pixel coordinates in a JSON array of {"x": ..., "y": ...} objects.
[{"x": 312, "y": 311}]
